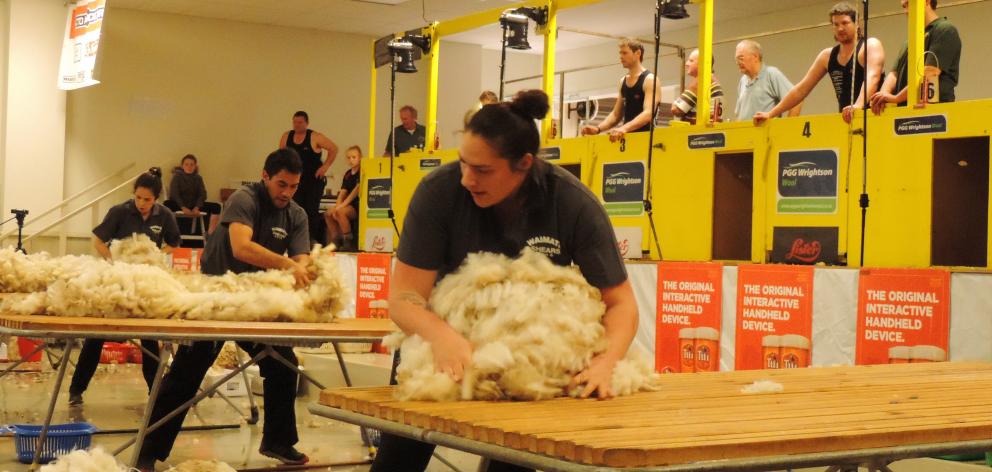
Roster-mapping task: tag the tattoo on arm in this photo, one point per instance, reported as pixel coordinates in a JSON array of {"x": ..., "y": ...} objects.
[{"x": 413, "y": 298}]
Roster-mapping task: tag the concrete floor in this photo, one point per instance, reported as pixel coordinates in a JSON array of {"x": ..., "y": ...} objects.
[{"x": 117, "y": 396}]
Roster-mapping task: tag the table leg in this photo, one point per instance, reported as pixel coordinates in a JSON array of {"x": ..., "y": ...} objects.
[
  {"x": 51, "y": 407},
  {"x": 150, "y": 405},
  {"x": 275, "y": 355},
  {"x": 251, "y": 397},
  {"x": 189, "y": 403}
]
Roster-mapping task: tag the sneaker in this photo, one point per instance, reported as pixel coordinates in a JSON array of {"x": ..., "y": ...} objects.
[
  {"x": 75, "y": 399},
  {"x": 286, "y": 454}
]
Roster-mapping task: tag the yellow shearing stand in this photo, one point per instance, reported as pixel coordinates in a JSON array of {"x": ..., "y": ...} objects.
[{"x": 735, "y": 192}]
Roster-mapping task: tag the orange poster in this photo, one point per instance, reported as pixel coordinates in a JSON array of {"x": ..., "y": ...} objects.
[
  {"x": 774, "y": 316},
  {"x": 687, "y": 333},
  {"x": 903, "y": 315},
  {"x": 185, "y": 259},
  {"x": 372, "y": 285}
]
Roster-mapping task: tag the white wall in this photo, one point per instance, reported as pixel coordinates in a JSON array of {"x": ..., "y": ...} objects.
[
  {"x": 4, "y": 22},
  {"x": 33, "y": 126},
  {"x": 222, "y": 90}
]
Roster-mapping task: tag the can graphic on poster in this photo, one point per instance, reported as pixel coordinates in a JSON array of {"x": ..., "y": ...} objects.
[
  {"x": 795, "y": 351},
  {"x": 687, "y": 350},
  {"x": 771, "y": 347},
  {"x": 899, "y": 354},
  {"x": 922, "y": 354},
  {"x": 707, "y": 348}
]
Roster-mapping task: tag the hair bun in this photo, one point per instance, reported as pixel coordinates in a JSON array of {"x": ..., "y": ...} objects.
[
  {"x": 155, "y": 171},
  {"x": 532, "y": 104}
]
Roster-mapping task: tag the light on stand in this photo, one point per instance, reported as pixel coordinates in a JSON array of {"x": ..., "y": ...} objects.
[
  {"x": 514, "y": 24},
  {"x": 674, "y": 9}
]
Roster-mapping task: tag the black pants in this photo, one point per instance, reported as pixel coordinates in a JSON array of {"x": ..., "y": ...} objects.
[
  {"x": 89, "y": 357},
  {"x": 308, "y": 196},
  {"x": 400, "y": 453},
  {"x": 188, "y": 369}
]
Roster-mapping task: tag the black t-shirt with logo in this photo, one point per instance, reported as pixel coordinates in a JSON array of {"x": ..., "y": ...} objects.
[
  {"x": 561, "y": 219},
  {"x": 124, "y": 220},
  {"x": 280, "y": 230}
]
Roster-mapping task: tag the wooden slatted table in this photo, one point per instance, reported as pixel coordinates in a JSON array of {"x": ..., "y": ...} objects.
[
  {"x": 175, "y": 330},
  {"x": 825, "y": 416}
]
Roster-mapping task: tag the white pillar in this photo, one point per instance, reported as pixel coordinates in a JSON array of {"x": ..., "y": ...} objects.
[{"x": 32, "y": 125}]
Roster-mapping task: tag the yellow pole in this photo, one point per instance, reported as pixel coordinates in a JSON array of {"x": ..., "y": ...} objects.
[
  {"x": 915, "y": 51},
  {"x": 369, "y": 151},
  {"x": 705, "y": 62},
  {"x": 548, "y": 83},
  {"x": 432, "y": 77}
]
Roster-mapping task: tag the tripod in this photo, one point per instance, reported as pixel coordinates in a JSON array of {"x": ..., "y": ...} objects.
[{"x": 19, "y": 216}]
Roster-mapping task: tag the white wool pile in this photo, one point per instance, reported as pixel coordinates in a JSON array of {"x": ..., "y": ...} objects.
[
  {"x": 202, "y": 466},
  {"x": 86, "y": 286},
  {"x": 118, "y": 290},
  {"x": 228, "y": 357},
  {"x": 21, "y": 273},
  {"x": 762, "y": 386},
  {"x": 269, "y": 295},
  {"x": 93, "y": 460},
  {"x": 25, "y": 303},
  {"x": 138, "y": 249},
  {"x": 533, "y": 326}
]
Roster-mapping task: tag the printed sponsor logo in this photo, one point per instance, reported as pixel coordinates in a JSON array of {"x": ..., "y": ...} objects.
[
  {"x": 921, "y": 125},
  {"x": 707, "y": 141}
]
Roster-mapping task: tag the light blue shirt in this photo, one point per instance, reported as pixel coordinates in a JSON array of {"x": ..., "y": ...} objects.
[{"x": 762, "y": 93}]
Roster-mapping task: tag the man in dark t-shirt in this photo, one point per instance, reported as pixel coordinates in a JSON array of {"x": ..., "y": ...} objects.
[
  {"x": 409, "y": 134},
  {"x": 261, "y": 228},
  {"x": 942, "y": 51}
]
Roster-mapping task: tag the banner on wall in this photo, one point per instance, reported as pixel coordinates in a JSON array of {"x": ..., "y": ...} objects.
[
  {"x": 623, "y": 188},
  {"x": 378, "y": 196},
  {"x": 372, "y": 284},
  {"x": 81, "y": 44},
  {"x": 903, "y": 316},
  {"x": 807, "y": 181},
  {"x": 687, "y": 331},
  {"x": 774, "y": 317}
]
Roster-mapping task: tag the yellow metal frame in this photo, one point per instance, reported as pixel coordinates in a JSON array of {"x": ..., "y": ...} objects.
[{"x": 900, "y": 170}]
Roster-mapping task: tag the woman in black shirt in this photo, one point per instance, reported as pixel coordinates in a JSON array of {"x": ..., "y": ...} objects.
[{"x": 339, "y": 219}]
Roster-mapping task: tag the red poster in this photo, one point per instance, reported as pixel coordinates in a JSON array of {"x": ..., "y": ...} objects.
[
  {"x": 372, "y": 285},
  {"x": 774, "y": 316},
  {"x": 186, "y": 259},
  {"x": 903, "y": 316},
  {"x": 687, "y": 334}
]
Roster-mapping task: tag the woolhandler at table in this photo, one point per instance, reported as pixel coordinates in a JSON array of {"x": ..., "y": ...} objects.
[
  {"x": 261, "y": 228},
  {"x": 500, "y": 198},
  {"x": 139, "y": 215}
]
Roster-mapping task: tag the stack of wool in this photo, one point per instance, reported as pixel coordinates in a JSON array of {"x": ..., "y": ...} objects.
[
  {"x": 138, "y": 249},
  {"x": 86, "y": 286},
  {"x": 533, "y": 326}
]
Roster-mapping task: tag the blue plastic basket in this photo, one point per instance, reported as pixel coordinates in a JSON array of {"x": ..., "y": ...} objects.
[{"x": 61, "y": 439}]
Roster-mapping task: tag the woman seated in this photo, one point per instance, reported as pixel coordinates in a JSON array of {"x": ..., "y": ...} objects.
[
  {"x": 188, "y": 195},
  {"x": 340, "y": 218}
]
